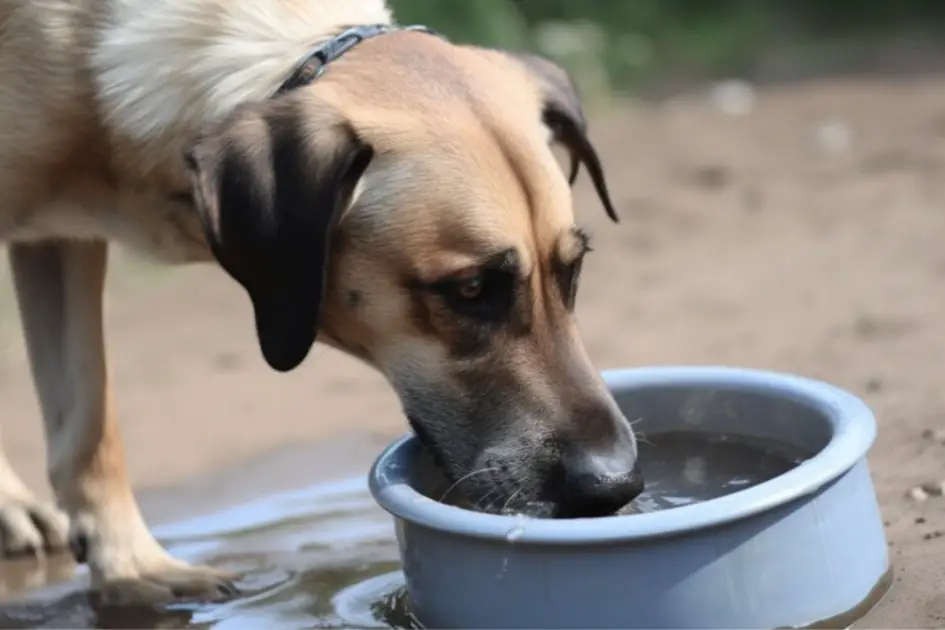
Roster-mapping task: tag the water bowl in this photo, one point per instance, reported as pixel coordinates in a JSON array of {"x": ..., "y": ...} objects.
[{"x": 805, "y": 547}]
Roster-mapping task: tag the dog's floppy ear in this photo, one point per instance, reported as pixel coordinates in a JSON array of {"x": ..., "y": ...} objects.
[
  {"x": 565, "y": 117},
  {"x": 270, "y": 185}
]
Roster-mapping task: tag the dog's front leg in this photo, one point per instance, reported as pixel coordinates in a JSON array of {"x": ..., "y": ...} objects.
[{"x": 60, "y": 288}]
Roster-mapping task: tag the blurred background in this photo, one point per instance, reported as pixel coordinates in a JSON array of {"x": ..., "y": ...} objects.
[
  {"x": 628, "y": 45},
  {"x": 779, "y": 168}
]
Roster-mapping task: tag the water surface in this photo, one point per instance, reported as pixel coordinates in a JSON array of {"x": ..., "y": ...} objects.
[
  {"x": 323, "y": 557},
  {"x": 685, "y": 468},
  {"x": 679, "y": 468}
]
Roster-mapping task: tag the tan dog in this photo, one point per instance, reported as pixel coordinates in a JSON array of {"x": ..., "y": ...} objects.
[{"x": 451, "y": 267}]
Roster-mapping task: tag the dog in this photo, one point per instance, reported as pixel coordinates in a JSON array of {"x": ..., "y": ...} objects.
[{"x": 376, "y": 188}]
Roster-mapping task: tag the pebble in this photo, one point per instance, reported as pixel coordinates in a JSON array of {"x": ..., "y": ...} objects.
[
  {"x": 834, "y": 136},
  {"x": 918, "y": 494},
  {"x": 924, "y": 491},
  {"x": 733, "y": 97},
  {"x": 934, "y": 488}
]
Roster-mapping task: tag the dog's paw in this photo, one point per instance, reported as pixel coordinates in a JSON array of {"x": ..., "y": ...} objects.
[
  {"x": 31, "y": 527},
  {"x": 129, "y": 567},
  {"x": 172, "y": 582}
]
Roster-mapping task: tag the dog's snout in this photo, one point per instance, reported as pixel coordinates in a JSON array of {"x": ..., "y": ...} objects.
[{"x": 600, "y": 484}]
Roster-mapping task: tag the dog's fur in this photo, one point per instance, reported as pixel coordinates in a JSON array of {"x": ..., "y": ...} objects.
[{"x": 451, "y": 264}]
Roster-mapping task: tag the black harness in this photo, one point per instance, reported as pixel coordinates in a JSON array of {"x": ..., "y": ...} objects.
[{"x": 318, "y": 59}]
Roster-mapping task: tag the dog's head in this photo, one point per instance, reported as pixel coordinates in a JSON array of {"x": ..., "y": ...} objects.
[{"x": 407, "y": 208}]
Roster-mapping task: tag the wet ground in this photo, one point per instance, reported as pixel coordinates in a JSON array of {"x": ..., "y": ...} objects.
[{"x": 316, "y": 557}]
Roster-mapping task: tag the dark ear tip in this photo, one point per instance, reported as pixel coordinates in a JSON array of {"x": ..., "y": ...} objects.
[
  {"x": 610, "y": 209},
  {"x": 281, "y": 361},
  {"x": 285, "y": 331},
  {"x": 612, "y": 213}
]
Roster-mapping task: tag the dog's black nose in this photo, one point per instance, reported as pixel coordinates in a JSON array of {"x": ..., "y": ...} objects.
[{"x": 597, "y": 485}]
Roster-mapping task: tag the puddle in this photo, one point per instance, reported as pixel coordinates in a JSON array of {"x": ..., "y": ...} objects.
[{"x": 324, "y": 556}]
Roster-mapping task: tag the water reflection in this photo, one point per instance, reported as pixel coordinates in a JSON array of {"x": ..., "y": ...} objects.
[{"x": 322, "y": 557}]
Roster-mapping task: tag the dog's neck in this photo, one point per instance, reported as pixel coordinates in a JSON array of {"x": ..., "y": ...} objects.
[{"x": 164, "y": 68}]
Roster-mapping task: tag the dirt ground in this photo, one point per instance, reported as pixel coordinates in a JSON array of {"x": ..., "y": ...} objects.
[{"x": 807, "y": 235}]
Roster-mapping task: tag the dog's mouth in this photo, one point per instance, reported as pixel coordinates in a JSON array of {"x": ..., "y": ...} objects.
[
  {"x": 485, "y": 489},
  {"x": 489, "y": 488}
]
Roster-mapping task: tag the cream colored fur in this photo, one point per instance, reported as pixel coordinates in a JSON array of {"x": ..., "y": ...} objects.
[{"x": 214, "y": 55}]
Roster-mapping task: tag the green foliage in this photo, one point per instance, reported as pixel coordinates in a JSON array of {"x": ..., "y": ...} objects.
[{"x": 616, "y": 43}]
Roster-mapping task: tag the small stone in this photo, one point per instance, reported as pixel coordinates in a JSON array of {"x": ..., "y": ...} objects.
[
  {"x": 920, "y": 520},
  {"x": 733, "y": 97},
  {"x": 918, "y": 494},
  {"x": 934, "y": 488},
  {"x": 933, "y": 535},
  {"x": 834, "y": 136}
]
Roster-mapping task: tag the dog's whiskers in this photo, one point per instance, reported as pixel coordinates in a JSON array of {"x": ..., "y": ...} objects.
[
  {"x": 484, "y": 504},
  {"x": 464, "y": 478},
  {"x": 509, "y": 501},
  {"x": 639, "y": 436}
]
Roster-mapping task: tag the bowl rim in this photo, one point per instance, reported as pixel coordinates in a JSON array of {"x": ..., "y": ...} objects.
[{"x": 854, "y": 430}]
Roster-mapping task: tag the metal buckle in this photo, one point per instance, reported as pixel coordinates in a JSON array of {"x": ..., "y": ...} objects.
[{"x": 318, "y": 59}]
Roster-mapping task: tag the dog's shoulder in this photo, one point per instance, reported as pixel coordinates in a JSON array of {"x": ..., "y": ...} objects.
[{"x": 167, "y": 66}]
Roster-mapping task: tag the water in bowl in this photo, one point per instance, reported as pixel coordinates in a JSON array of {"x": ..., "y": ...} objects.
[
  {"x": 684, "y": 468},
  {"x": 680, "y": 468}
]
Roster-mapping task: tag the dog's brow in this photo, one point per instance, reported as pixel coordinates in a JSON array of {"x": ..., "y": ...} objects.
[
  {"x": 572, "y": 245},
  {"x": 506, "y": 260}
]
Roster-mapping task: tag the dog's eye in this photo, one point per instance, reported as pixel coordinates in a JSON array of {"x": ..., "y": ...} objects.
[
  {"x": 469, "y": 288},
  {"x": 485, "y": 296}
]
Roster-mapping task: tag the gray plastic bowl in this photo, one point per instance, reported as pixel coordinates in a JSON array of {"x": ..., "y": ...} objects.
[{"x": 807, "y": 547}]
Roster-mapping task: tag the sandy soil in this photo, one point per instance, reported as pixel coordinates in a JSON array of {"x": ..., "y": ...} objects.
[{"x": 764, "y": 240}]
